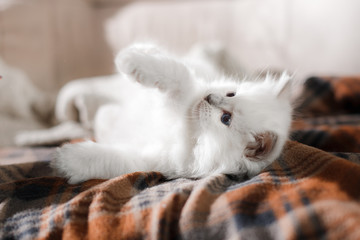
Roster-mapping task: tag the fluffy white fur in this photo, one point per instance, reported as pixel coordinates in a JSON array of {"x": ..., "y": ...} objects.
[
  {"x": 79, "y": 100},
  {"x": 172, "y": 116}
]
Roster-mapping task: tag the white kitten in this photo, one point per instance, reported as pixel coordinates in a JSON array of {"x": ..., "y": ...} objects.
[{"x": 170, "y": 118}]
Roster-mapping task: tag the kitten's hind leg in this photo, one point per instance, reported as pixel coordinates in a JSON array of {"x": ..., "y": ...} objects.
[
  {"x": 55, "y": 135},
  {"x": 88, "y": 160},
  {"x": 153, "y": 67}
]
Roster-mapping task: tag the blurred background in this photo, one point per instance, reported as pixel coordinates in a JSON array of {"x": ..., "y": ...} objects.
[{"x": 55, "y": 41}]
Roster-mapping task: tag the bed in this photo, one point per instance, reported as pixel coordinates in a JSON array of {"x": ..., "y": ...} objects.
[{"x": 310, "y": 192}]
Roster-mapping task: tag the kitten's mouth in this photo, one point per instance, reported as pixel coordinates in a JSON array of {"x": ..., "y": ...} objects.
[
  {"x": 196, "y": 110},
  {"x": 199, "y": 108}
]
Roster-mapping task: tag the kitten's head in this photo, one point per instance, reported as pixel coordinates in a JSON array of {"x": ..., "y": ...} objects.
[{"x": 242, "y": 127}]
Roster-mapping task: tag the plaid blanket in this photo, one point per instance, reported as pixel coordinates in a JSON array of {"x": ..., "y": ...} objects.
[
  {"x": 330, "y": 114},
  {"x": 306, "y": 194}
]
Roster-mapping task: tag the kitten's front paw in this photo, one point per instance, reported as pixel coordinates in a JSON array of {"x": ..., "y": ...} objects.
[
  {"x": 70, "y": 161},
  {"x": 155, "y": 68},
  {"x": 139, "y": 65}
]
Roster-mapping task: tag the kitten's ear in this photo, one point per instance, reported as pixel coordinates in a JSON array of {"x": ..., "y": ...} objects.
[
  {"x": 262, "y": 146},
  {"x": 285, "y": 86}
]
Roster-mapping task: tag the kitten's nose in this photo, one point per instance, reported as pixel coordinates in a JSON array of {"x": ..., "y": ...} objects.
[
  {"x": 213, "y": 99},
  {"x": 207, "y": 98}
]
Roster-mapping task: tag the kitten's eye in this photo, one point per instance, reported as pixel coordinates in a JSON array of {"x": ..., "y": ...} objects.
[
  {"x": 226, "y": 118},
  {"x": 230, "y": 94}
]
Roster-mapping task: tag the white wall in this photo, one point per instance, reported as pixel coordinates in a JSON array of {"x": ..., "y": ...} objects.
[
  {"x": 305, "y": 36},
  {"x": 55, "y": 41}
]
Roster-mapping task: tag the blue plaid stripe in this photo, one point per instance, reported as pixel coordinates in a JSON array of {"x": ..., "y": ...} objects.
[{"x": 24, "y": 225}]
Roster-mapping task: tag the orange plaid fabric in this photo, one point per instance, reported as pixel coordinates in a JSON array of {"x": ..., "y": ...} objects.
[
  {"x": 305, "y": 194},
  {"x": 329, "y": 114}
]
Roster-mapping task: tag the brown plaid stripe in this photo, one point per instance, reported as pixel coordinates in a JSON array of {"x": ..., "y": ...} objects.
[
  {"x": 330, "y": 96},
  {"x": 330, "y": 111},
  {"x": 306, "y": 193}
]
